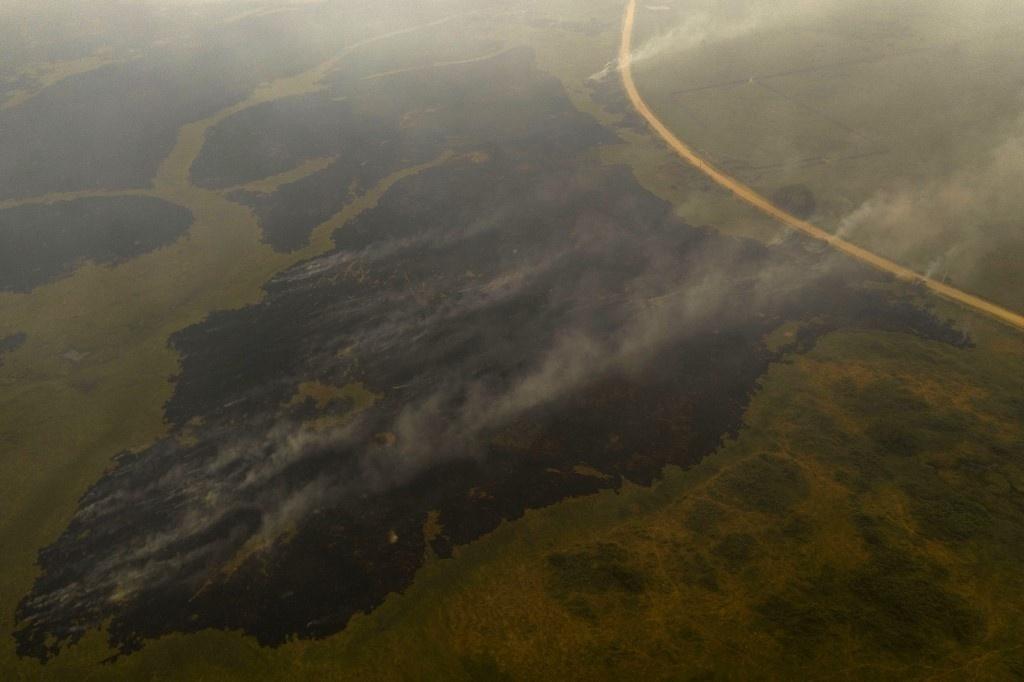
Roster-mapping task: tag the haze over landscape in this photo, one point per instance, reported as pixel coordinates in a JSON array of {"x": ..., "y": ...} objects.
[{"x": 451, "y": 339}]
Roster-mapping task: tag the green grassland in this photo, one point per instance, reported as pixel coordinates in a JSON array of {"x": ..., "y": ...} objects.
[{"x": 820, "y": 520}]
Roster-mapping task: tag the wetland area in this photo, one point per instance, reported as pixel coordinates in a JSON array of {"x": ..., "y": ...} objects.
[{"x": 401, "y": 341}]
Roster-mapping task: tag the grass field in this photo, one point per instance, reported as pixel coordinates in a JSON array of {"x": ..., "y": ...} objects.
[{"x": 905, "y": 122}]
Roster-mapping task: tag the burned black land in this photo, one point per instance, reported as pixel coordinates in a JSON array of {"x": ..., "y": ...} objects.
[
  {"x": 365, "y": 148},
  {"x": 532, "y": 326},
  {"x": 42, "y": 242}
]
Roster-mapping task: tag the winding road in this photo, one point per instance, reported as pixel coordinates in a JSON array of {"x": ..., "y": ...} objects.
[{"x": 764, "y": 205}]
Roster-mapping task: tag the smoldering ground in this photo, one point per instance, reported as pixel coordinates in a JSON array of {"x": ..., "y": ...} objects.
[
  {"x": 956, "y": 220},
  {"x": 606, "y": 292},
  {"x": 517, "y": 311}
]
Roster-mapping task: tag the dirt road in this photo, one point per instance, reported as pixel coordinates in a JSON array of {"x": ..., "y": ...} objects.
[{"x": 761, "y": 203}]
